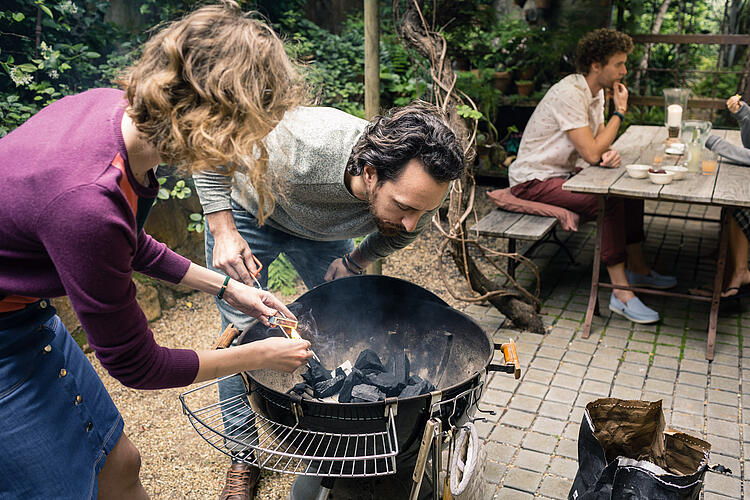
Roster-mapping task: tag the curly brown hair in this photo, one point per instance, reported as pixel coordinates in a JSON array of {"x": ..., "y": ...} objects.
[
  {"x": 418, "y": 131},
  {"x": 598, "y": 46},
  {"x": 207, "y": 90}
]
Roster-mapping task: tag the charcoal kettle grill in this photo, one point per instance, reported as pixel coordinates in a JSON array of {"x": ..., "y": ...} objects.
[{"x": 309, "y": 437}]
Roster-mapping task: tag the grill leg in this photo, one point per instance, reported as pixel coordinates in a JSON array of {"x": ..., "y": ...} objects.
[{"x": 326, "y": 485}]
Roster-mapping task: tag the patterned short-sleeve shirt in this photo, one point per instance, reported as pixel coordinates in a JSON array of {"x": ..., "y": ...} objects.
[{"x": 546, "y": 150}]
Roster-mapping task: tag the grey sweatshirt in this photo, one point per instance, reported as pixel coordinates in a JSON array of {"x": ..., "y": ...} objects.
[
  {"x": 309, "y": 149},
  {"x": 730, "y": 151}
]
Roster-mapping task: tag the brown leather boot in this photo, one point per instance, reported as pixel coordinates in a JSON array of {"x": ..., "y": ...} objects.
[{"x": 241, "y": 482}]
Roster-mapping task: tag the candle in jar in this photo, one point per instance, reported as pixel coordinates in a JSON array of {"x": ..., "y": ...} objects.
[{"x": 674, "y": 115}]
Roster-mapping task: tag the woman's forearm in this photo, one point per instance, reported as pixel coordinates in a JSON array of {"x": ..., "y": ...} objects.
[
  {"x": 221, "y": 362},
  {"x": 205, "y": 280}
]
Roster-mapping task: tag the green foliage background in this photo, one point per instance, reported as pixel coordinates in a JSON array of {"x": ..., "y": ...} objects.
[{"x": 52, "y": 48}]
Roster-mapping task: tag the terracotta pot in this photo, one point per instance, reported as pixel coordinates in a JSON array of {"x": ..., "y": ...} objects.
[
  {"x": 501, "y": 81},
  {"x": 524, "y": 89},
  {"x": 526, "y": 73}
]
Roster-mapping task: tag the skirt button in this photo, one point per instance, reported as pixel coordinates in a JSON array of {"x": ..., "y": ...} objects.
[
  {"x": 79, "y": 400},
  {"x": 43, "y": 304},
  {"x": 89, "y": 426},
  {"x": 48, "y": 348},
  {"x": 63, "y": 372}
]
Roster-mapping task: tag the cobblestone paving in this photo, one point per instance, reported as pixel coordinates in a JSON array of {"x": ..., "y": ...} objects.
[{"x": 532, "y": 438}]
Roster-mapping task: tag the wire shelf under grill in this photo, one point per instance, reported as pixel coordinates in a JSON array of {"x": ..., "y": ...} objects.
[{"x": 234, "y": 428}]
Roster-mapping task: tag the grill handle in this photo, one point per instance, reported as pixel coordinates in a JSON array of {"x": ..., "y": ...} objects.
[
  {"x": 511, "y": 364},
  {"x": 227, "y": 337}
]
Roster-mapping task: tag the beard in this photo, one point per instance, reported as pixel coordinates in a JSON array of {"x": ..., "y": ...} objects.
[{"x": 386, "y": 228}]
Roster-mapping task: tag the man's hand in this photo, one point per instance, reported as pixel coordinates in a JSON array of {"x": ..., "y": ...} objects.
[
  {"x": 620, "y": 97},
  {"x": 233, "y": 256},
  {"x": 734, "y": 104},
  {"x": 611, "y": 158},
  {"x": 337, "y": 270},
  {"x": 231, "y": 253}
]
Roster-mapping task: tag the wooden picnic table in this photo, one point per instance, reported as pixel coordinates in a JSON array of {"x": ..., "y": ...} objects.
[{"x": 729, "y": 187}]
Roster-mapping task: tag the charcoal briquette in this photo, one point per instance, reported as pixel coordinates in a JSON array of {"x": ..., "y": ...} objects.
[
  {"x": 340, "y": 372},
  {"x": 368, "y": 360},
  {"x": 398, "y": 364},
  {"x": 354, "y": 378},
  {"x": 418, "y": 389},
  {"x": 367, "y": 392},
  {"x": 414, "y": 380},
  {"x": 315, "y": 373},
  {"x": 330, "y": 387},
  {"x": 387, "y": 383},
  {"x": 298, "y": 388}
]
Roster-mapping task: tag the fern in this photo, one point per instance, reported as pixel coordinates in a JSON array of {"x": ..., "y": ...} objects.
[{"x": 282, "y": 277}]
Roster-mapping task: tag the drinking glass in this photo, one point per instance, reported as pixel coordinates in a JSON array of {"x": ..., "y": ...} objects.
[{"x": 709, "y": 161}]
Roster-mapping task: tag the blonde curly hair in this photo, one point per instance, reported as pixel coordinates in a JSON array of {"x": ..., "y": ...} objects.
[{"x": 207, "y": 90}]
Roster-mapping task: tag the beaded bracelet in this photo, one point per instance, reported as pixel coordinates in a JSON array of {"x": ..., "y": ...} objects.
[
  {"x": 352, "y": 266},
  {"x": 220, "y": 295}
]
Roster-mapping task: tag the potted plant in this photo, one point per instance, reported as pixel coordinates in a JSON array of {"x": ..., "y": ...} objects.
[
  {"x": 524, "y": 87},
  {"x": 501, "y": 79}
]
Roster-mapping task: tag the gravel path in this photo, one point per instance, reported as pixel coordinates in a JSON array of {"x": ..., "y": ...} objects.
[{"x": 177, "y": 462}]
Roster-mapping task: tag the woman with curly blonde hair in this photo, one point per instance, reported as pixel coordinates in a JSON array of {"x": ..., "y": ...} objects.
[{"x": 78, "y": 182}]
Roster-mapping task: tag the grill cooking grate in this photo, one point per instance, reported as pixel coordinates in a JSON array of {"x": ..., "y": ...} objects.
[{"x": 292, "y": 450}]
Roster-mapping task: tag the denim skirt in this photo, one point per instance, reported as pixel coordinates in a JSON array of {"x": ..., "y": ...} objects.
[{"x": 57, "y": 421}]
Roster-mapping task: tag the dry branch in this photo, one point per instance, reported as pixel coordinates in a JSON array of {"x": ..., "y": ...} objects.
[{"x": 514, "y": 301}]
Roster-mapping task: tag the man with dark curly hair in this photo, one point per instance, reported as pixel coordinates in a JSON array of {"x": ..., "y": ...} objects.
[
  {"x": 567, "y": 132},
  {"x": 341, "y": 178}
]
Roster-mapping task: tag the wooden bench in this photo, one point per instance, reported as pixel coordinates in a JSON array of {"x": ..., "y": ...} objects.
[{"x": 514, "y": 226}]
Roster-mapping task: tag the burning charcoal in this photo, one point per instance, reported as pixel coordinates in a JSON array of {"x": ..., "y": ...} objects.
[
  {"x": 387, "y": 383},
  {"x": 368, "y": 360},
  {"x": 422, "y": 387},
  {"x": 399, "y": 366},
  {"x": 329, "y": 387},
  {"x": 354, "y": 378},
  {"x": 315, "y": 373},
  {"x": 367, "y": 393}
]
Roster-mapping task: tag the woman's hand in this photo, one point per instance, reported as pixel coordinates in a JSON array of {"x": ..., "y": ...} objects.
[
  {"x": 283, "y": 354},
  {"x": 260, "y": 304}
]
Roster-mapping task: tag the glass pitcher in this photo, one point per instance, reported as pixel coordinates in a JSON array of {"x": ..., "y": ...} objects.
[
  {"x": 701, "y": 128},
  {"x": 675, "y": 109}
]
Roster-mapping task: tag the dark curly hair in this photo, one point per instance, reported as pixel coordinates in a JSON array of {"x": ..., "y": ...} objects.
[
  {"x": 419, "y": 130},
  {"x": 598, "y": 46}
]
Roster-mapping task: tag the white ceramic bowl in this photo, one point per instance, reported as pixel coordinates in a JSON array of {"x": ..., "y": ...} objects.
[
  {"x": 664, "y": 178},
  {"x": 638, "y": 171},
  {"x": 678, "y": 171}
]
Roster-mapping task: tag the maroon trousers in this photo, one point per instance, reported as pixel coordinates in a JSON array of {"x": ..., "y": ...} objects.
[{"x": 623, "y": 217}]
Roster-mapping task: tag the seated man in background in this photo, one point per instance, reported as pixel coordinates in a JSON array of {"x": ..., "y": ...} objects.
[
  {"x": 736, "y": 273},
  {"x": 337, "y": 177},
  {"x": 567, "y": 128}
]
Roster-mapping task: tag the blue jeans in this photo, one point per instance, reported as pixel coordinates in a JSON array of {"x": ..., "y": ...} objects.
[
  {"x": 58, "y": 422},
  {"x": 310, "y": 259}
]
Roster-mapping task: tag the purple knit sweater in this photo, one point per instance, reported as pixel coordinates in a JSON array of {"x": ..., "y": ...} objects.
[{"x": 68, "y": 228}]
